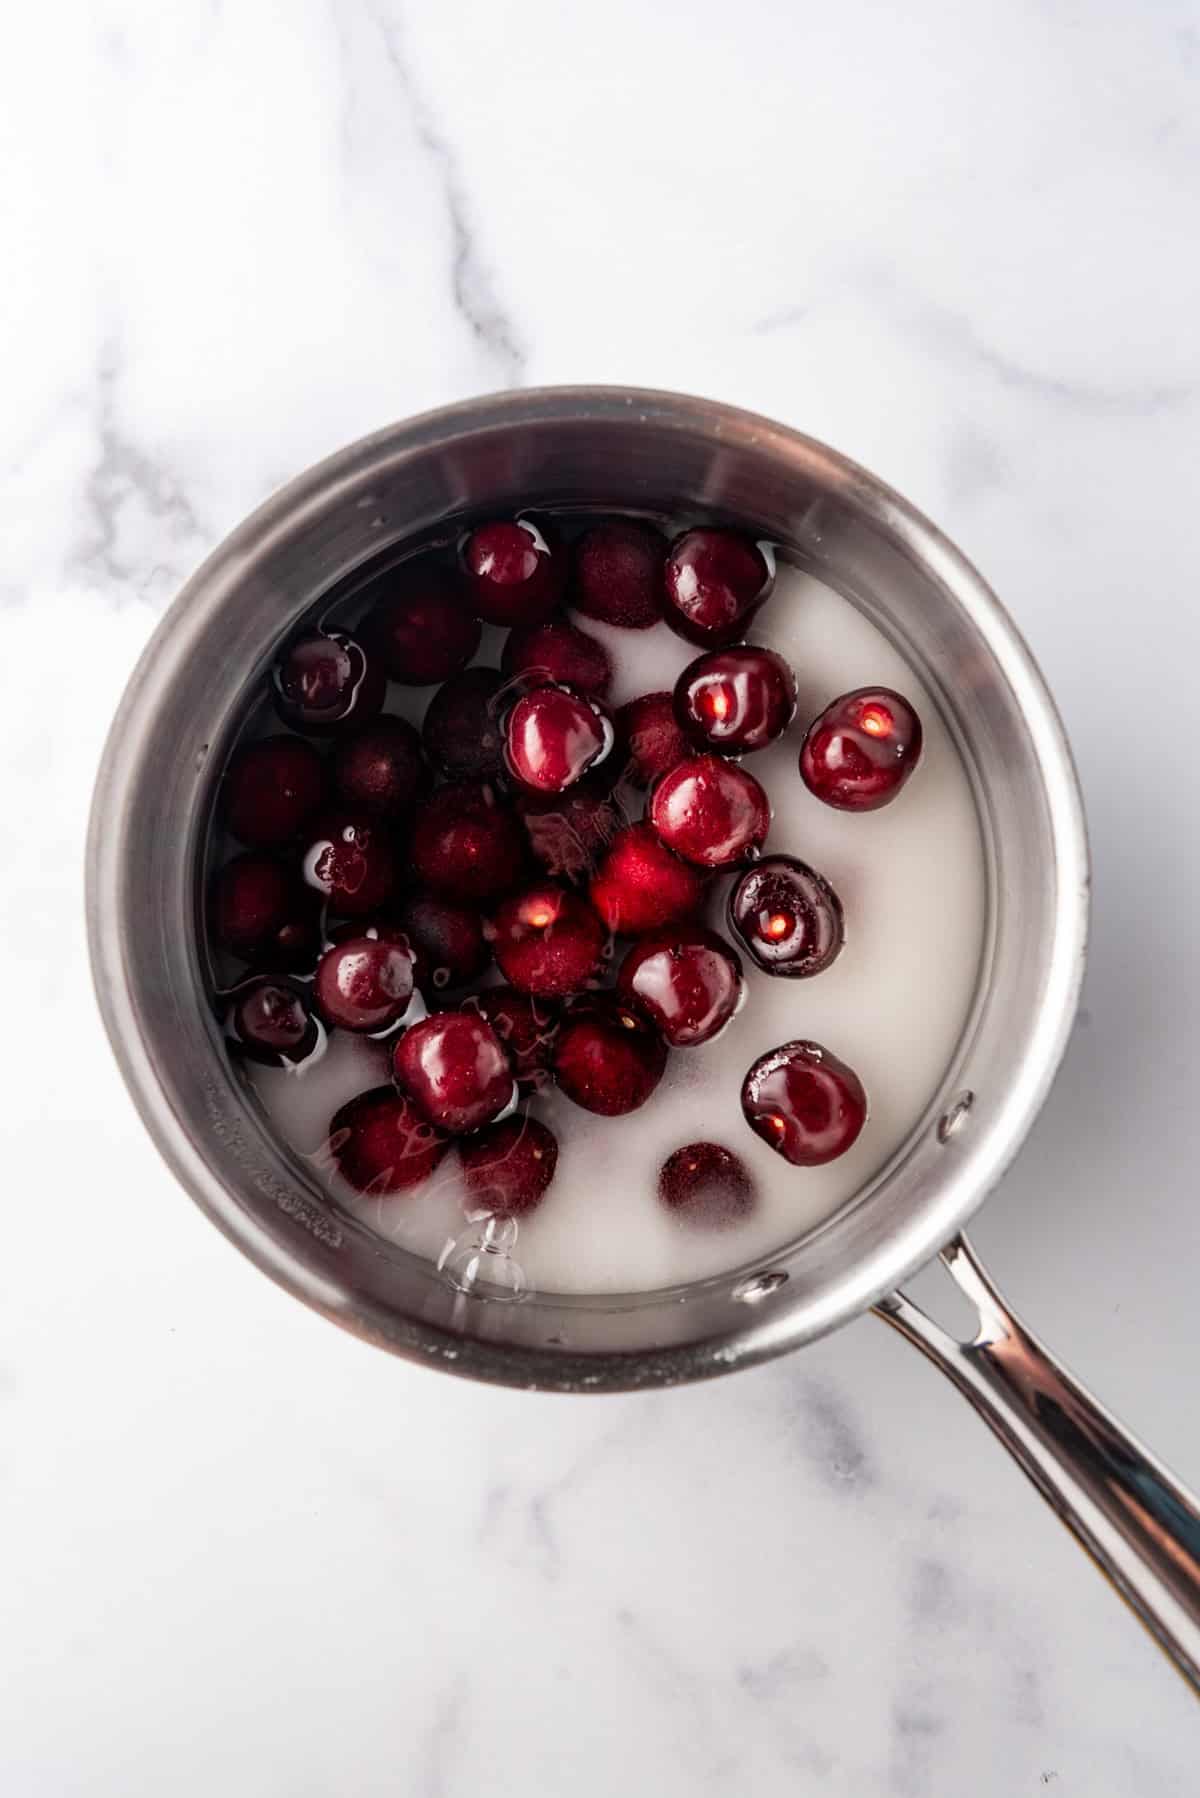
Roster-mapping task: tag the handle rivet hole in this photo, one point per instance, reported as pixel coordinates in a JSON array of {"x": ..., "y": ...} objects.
[
  {"x": 952, "y": 1120},
  {"x": 758, "y": 1287}
]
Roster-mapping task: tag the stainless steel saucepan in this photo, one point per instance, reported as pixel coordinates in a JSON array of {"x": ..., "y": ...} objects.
[{"x": 661, "y": 452}]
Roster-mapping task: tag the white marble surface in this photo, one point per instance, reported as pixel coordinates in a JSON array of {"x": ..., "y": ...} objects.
[{"x": 242, "y": 1553}]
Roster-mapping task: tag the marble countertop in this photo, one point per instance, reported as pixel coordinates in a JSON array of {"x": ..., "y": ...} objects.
[{"x": 243, "y": 1553}]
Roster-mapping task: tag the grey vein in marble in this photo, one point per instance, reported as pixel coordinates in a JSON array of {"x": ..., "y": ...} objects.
[
  {"x": 505, "y": 1514},
  {"x": 916, "y": 1728},
  {"x": 933, "y": 1598},
  {"x": 975, "y": 467},
  {"x": 953, "y": 334},
  {"x": 441, "y": 1740},
  {"x": 947, "y": 332},
  {"x": 835, "y": 1446},
  {"x": 781, "y": 320},
  {"x": 495, "y": 1503},
  {"x": 539, "y": 1541},
  {"x": 678, "y": 1686},
  {"x": 123, "y": 474},
  {"x": 790, "y": 1667},
  {"x": 1027, "y": 1697},
  {"x": 475, "y": 297}
]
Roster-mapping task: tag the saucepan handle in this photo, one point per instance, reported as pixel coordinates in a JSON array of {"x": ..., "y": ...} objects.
[{"x": 1140, "y": 1526}]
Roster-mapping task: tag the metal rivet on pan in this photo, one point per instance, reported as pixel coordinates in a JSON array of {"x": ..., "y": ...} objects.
[
  {"x": 952, "y": 1121},
  {"x": 758, "y": 1287}
]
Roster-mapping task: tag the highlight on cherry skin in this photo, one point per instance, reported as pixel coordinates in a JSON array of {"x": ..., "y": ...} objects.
[
  {"x": 687, "y": 982},
  {"x": 553, "y": 737},
  {"x": 516, "y": 574},
  {"x": 715, "y": 581},
  {"x": 787, "y": 917},
  {"x": 327, "y": 681},
  {"x": 805, "y": 1103},
  {"x": 736, "y": 700},
  {"x": 710, "y": 812},
  {"x": 862, "y": 749}
]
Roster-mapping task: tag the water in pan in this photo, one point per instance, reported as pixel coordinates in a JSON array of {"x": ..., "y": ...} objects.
[{"x": 911, "y": 880}]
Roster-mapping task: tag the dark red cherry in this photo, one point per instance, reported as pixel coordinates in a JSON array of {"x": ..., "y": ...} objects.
[
  {"x": 462, "y": 725},
  {"x": 454, "y": 1069},
  {"x": 296, "y": 940},
  {"x": 607, "y": 1058},
  {"x": 650, "y": 738},
  {"x": 270, "y": 788},
  {"x": 288, "y": 936},
  {"x": 736, "y": 700},
  {"x": 423, "y": 625},
  {"x": 569, "y": 832},
  {"x": 249, "y": 901},
  {"x": 364, "y": 983},
  {"x": 350, "y": 859},
  {"x": 688, "y": 983},
  {"x": 328, "y": 680},
  {"x": 526, "y": 1026},
  {"x": 861, "y": 750},
  {"x": 515, "y": 573},
  {"x": 466, "y": 844},
  {"x": 641, "y": 886},
  {"x": 379, "y": 769},
  {"x": 618, "y": 573},
  {"x": 380, "y": 1143},
  {"x": 447, "y": 940},
  {"x": 555, "y": 653},
  {"x": 711, "y": 812},
  {"x": 788, "y": 916},
  {"x": 548, "y": 941},
  {"x": 553, "y": 737},
  {"x": 707, "y": 1185},
  {"x": 507, "y": 1167},
  {"x": 271, "y": 1022},
  {"x": 805, "y": 1103},
  {"x": 715, "y": 582}
]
